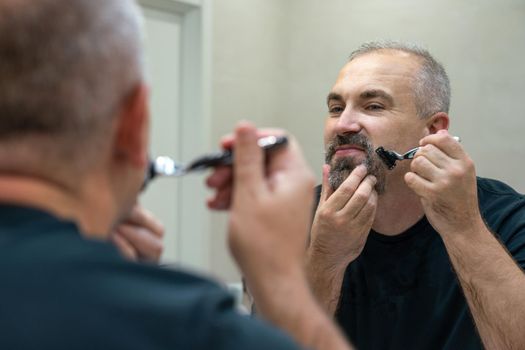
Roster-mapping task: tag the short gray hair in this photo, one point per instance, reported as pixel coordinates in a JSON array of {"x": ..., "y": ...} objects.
[
  {"x": 431, "y": 85},
  {"x": 65, "y": 67}
]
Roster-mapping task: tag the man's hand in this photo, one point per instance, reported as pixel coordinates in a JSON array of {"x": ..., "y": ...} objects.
[
  {"x": 270, "y": 201},
  {"x": 339, "y": 231},
  {"x": 343, "y": 218},
  {"x": 443, "y": 175},
  {"x": 271, "y": 206},
  {"x": 493, "y": 283},
  {"x": 139, "y": 237}
]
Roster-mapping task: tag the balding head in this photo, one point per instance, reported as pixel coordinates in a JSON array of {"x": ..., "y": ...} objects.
[
  {"x": 431, "y": 86},
  {"x": 65, "y": 68}
]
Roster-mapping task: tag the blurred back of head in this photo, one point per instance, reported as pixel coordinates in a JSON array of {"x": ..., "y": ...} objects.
[{"x": 65, "y": 68}]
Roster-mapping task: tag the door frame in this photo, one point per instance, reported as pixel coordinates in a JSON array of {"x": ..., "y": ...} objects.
[{"x": 193, "y": 242}]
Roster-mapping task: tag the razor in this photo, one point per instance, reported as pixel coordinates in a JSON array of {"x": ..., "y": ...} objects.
[{"x": 390, "y": 157}]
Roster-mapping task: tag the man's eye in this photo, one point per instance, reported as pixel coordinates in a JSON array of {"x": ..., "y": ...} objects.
[
  {"x": 374, "y": 107},
  {"x": 336, "y": 110}
]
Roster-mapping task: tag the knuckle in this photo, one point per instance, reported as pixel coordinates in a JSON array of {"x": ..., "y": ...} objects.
[
  {"x": 445, "y": 182},
  {"x": 418, "y": 161},
  {"x": 339, "y": 221},
  {"x": 321, "y": 214},
  {"x": 327, "y": 216},
  {"x": 470, "y": 164},
  {"x": 424, "y": 149},
  {"x": 457, "y": 172},
  {"x": 347, "y": 188},
  {"x": 360, "y": 196}
]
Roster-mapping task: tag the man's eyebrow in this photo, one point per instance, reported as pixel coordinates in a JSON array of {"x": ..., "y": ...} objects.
[
  {"x": 368, "y": 94},
  {"x": 334, "y": 96}
]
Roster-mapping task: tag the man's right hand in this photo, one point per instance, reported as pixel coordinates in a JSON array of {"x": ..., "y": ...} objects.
[
  {"x": 339, "y": 232},
  {"x": 270, "y": 208}
]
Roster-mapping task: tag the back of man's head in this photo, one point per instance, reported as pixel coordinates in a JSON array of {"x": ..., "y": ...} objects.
[{"x": 65, "y": 68}]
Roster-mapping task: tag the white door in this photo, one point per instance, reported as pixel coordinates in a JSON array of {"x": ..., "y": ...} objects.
[
  {"x": 176, "y": 66},
  {"x": 162, "y": 48}
]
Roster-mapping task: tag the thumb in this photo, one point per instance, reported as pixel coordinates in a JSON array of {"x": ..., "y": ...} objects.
[{"x": 248, "y": 160}]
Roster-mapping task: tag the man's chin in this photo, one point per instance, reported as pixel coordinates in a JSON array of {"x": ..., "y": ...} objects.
[{"x": 342, "y": 167}]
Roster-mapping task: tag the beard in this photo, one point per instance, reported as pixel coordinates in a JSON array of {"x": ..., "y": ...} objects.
[{"x": 340, "y": 168}]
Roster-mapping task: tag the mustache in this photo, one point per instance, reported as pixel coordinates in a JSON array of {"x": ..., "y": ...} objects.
[{"x": 349, "y": 139}]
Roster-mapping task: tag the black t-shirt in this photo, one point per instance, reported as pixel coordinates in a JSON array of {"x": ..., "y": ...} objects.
[
  {"x": 402, "y": 292},
  {"x": 61, "y": 291}
]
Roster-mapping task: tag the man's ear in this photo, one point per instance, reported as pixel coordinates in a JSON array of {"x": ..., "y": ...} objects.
[
  {"x": 439, "y": 121},
  {"x": 132, "y": 128}
]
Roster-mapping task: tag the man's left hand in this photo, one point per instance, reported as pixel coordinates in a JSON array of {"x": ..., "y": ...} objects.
[
  {"x": 139, "y": 237},
  {"x": 443, "y": 175}
]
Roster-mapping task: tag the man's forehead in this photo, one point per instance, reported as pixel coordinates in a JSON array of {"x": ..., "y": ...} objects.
[
  {"x": 387, "y": 71},
  {"x": 384, "y": 62}
]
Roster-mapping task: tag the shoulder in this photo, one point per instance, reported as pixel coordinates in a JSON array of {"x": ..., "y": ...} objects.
[
  {"x": 496, "y": 187},
  {"x": 503, "y": 210},
  {"x": 153, "y": 307},
  {"x": 185, "y": 310},
  {"x": 496, "y": 197},
  {"x": 122, "y": 304}
]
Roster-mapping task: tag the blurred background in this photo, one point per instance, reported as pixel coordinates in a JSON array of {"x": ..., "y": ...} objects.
[{"x": 212, "y": 63}]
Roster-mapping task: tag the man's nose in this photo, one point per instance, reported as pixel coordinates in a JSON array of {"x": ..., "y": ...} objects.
[{"x": 348, "y": 122}]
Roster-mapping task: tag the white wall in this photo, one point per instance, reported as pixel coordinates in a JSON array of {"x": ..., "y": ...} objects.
[
  {"x": 275, "y": 60},
  {"x": 249, "y": 82},
  {"x": 480, "y": 43}
]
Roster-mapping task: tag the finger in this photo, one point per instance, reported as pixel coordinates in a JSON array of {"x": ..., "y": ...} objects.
[
  {"x": 423, "y": 167},
  {"x": 342, "y": 195},
  {"x": 286, "y": 167},
  {"x": 145, "y": 243},
  {"x": 434, "y": 155},
  {"x": 366, "y": 215},
  {"x": 141, "y": 217},
  {"x": 227, "y": 141},
  {"x": 220, "y": 177},
  {"x": 326, "y": 189},
  {"x": 125, "y": 248},
  {"x": 445, "y": 142},
  {"x": 417, "y": 184},
  {"x": 288, "y": 158},
  {"x": 248, "y": 168},
  {"x": 360, "y": 197},
  {"x": 221, "y": 200}
]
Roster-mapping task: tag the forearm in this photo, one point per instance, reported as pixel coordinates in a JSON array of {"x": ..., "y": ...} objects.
[
  {"x": 325, "y": 279},
  {"x": 288, "y": 303},
  {"x": 493, "y": 284}
]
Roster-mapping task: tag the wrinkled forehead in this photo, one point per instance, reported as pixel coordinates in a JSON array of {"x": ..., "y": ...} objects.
[{"x": 390, "y": 70}]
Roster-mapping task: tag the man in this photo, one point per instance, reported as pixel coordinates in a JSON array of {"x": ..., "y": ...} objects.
[
  {"x": 73, "y": 154},
  {"x": 425, "y": 256}
]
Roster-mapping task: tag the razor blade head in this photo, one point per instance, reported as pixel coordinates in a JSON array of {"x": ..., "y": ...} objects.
[{"x": 387, "y": 157}]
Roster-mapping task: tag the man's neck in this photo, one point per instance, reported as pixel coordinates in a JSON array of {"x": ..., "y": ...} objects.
[
  {"x": 70, "y": 203},
  {"x": 398, "y": 209}
]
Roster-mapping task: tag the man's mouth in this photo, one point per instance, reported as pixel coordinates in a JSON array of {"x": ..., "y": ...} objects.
[
  {"x": 355, "y": 147},
  {"x": 348, "y": 150}
]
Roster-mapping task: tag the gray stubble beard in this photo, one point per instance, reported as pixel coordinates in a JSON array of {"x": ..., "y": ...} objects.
[{"x": 341, "y": 168}]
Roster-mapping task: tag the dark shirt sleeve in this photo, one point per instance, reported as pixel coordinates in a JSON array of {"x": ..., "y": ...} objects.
[
  {"x": 233, "y": 331},
  {"x": 503, "y": 210},
  {"x": 176, "y": 310},
  {"x": 513, "y": 234},
  {"x": 60, "y": 291}
]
